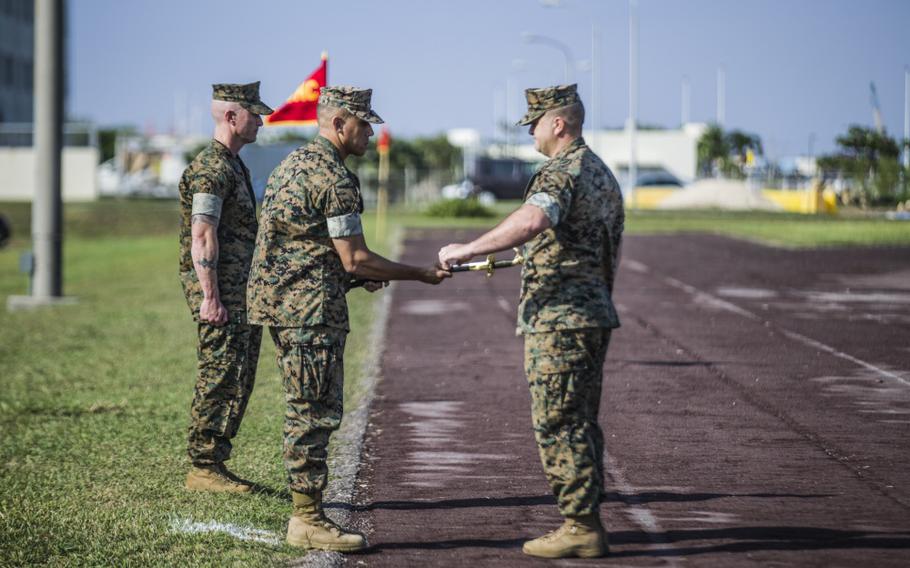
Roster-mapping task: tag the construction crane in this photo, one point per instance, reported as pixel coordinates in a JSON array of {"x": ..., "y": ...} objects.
[{"x": 876, "y": 110}]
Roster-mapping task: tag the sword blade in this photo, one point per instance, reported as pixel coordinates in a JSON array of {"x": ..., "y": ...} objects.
[{"x": 483, "y": 265}]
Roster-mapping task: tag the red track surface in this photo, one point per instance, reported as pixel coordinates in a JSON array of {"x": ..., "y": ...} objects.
[{"x": 756, "y": 410}]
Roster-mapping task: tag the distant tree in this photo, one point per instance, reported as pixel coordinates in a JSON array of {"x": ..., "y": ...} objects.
[
  {"x": 438, "y": 152},
  {"x": 290, "y": 136},
  {"x": 871, "y": 160},
  {"x": 107, "y": 140},
  {"x": 712, "y": 149},
  {"x": 740, "y": 143},
  {"x": 422, "y": 154},
  {"x": 868, "y": 144},
  {"x": 725, "y": 153}
]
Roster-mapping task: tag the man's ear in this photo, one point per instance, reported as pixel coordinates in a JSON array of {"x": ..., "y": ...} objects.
[
  {"x": 559, "y": 125},
  {"x": 229, "y": 116},
  {"x": 337, "y": 123}
]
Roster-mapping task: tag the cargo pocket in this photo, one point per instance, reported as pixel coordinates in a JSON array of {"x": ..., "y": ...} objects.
[
  {"x": 554, "y": 379},
  {"x": 562, "y": 362},
  {"x": 215, "y": 403},
  {"x": 312, "y": 373}
]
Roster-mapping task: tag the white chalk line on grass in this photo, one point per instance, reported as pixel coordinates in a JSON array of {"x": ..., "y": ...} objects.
[
  {"x": 705, "y": 298},
  {"x": 239, "y": 532}
]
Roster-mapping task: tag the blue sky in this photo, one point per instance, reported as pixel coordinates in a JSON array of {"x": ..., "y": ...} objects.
[{"x": 793, "y": 67}]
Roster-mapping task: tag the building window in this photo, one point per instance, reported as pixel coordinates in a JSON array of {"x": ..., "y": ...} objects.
[
  {"x": 26, "y": 73},
  {"x": 7, "y": 63}
]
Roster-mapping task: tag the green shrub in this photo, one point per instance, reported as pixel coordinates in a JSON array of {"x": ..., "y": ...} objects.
[{"x": 458, "y": 208}]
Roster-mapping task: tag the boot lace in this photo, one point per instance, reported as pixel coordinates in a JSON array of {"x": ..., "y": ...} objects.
[{"x": 555, "y": 534}]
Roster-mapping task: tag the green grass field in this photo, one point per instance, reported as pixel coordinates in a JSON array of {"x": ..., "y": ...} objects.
[
  {"x": 779, "y": 229},
  {"x": 94, "y": 408},
  {"x": 94, "y": 399}
]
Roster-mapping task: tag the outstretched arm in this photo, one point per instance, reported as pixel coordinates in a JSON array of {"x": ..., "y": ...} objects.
[
  {"x": 361, "y": 262},
  {"x": 521, "y": 226}
]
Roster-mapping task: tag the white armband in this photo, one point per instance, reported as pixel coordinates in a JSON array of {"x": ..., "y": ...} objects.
[
  {"x": 345, "y": 225},
  {"x": 207, "y": 204},
  {"x": 548, "y": 205}
]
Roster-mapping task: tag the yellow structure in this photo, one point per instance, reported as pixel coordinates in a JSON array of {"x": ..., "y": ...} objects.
[
  {"x": 806, "y": 201},
  {"x": 649, "y": 197}
]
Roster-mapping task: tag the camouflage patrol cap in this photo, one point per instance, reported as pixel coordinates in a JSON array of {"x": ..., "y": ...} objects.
[
  {"x": 352, "y": 99},
  {"x": 246, "y": 95},
  {"x": 548, "y": 98}
]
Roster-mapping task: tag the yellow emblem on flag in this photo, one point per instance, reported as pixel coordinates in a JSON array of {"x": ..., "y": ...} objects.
[{"x": 308, "y": 91}]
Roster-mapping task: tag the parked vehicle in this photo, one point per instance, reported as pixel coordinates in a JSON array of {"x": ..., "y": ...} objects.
[{"x": 505, "y": 178}]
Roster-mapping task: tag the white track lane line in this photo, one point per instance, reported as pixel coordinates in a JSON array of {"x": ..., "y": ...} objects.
[
  {"x": 710, "y": 299},
  {"x": 638, "y": 513}
]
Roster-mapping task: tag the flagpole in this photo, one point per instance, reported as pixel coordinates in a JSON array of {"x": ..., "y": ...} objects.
[{"x": 382, "y": 193}]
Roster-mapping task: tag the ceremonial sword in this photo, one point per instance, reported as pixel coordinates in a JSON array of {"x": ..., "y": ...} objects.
[{"x": 489, "y": 266}]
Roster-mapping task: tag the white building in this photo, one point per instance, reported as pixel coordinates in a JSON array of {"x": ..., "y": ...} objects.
[{"x": 674, "y": 151}]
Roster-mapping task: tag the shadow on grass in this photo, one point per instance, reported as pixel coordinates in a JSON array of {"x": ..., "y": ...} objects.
[{"x": 282, "y": 494}]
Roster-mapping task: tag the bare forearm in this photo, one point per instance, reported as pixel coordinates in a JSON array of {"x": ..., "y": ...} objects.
[
  {"x": 371, "y": 266},
  {"x": 204, "y": 251},
  {"x": 518, "y": 228}
]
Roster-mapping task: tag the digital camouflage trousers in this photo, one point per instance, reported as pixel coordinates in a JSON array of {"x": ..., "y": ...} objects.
[
  {"x": 565, "y": 375},
  {"x": 311, "y": 361},
  {"x": 227, "y": 357}
]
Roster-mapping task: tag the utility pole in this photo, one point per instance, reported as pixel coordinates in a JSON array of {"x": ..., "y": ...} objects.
[
  {"x": 721, "y": 96},
  {"x": 569, "y": 63},
  {"x": 595, "y": 88},
  {"x": 47, "y": 204},
  {"x": 906, "y": 117},
  {"x": 685, "y": 102},
  {"x": 47, "y": 207},
  {"x": 633, "y": 101}
]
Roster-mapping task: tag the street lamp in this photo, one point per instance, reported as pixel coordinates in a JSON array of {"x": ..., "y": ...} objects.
[
  {"x": 529, "y": 37},
  {"x": 518, "y": 65}
]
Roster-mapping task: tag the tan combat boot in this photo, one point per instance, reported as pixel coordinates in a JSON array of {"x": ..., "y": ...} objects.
[
  {"x": 582, "y": 537},
  {"x": 215, "y": 478},
  {"x": 310, "y": 528}
]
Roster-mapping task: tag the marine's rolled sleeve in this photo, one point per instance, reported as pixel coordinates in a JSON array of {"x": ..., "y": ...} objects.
[
  {"x": 209, "y": 192},
  {"x": 343, "y": 207},
  {"x": 552, "y": 193},
  {"x": 207, "y": 204},
  {"x": 549, "y": 206}
]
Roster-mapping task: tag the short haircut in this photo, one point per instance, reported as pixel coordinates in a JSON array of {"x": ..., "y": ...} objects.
[
  {"x": 325, "y": 114},
  {"x": 221, "y": 107},
  {"x": 573, "y": 115}
]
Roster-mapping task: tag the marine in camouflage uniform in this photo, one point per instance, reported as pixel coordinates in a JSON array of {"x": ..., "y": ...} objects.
[
  {"x": 566, "y": 315},
  {"x": 297, "y": 287},
  {"x": 216, "y": 189},
  {"x": 302, "y": 269}
]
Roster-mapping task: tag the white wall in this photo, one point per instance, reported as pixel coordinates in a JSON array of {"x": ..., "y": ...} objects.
[
  {"x": 673, "y": 150},
  {"x": 17, "y": 174}
]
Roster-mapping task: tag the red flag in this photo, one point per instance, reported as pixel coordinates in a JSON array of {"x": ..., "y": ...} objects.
[
  {"x": 385, "y": 139},
  {"x": 300, "y": 108}
]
